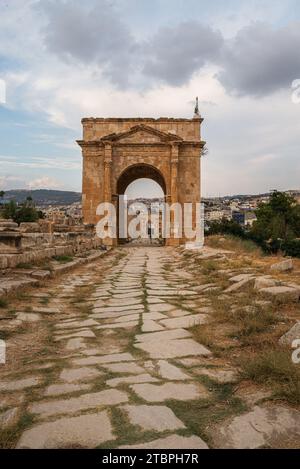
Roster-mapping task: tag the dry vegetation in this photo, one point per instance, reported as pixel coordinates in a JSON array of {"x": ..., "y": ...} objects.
[{"x": 243, "y": 331}]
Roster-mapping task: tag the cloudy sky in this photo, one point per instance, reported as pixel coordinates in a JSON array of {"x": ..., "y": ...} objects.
[{"x": 62, "y": 60}]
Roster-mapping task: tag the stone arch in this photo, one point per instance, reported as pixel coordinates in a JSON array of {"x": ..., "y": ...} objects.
[
  {"x": 132, "y": 173},
  {"x": 117, "y": 151},
  {"x": 139, "y": 171}
]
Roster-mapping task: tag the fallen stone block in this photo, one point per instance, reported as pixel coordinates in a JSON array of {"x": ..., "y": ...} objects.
[
  {"x": 291, "y": 335},
  {"x": 262, "y": 426},
  {"x": 281, "y": 294},
  {"x": 236, "y": 287},
  {"x": 284, "y": 266},
  {"x": 264, "y": 282}
]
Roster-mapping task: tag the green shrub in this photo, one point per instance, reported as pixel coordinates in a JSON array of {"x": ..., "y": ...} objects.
[{"x": 291, "y": 248}]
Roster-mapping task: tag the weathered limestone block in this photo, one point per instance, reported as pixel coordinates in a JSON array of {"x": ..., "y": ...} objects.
[
  {"x": 281, "y": 294},
  {"x": 283, "y": 266},
  {"x": 262, "y": 426},
  {"x": 237, "y": 286},
  {"x": 291, "y": 335},
  {"x": 10, "y": 242},
  {"x": 8, "y": 225},
  {"x": 27, "y": 227},
  {"x": 264, "y": 282}
]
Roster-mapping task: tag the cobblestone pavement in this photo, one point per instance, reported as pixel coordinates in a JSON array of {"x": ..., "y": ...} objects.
[{"x": 121, "y": 364}]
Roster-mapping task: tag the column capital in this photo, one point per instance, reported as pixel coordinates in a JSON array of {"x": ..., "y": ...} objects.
[{"x": 107, "y": 152}]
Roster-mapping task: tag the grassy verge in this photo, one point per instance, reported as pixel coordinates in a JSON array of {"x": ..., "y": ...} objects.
[{"x": 274, "y": 368}]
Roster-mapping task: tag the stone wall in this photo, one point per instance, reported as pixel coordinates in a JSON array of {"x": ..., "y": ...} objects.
[
  {"x": 95, "y": 128},
  {"x": 36, "y": 246}
]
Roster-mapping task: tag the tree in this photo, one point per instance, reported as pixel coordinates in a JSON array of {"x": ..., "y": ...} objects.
[
  {"x": 2, "y": 194},
  {"x": 225, "y": 226},
  {"x": 23, "y": 213},
  {"x": 10, "y": 210},
  {"x": 277, "y": 220}
]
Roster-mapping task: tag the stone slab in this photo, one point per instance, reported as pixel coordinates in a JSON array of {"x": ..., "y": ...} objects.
[
  {"x": 72, "y": 375},
  {"x": 173, "y": 348},
  {"x": 131, "y": 368},
  {"x": 97, "y": 360},
  {"x": 76, "y": 344},
  {"x": 185, "y": 321},
  {"x": 119, "y": 325},
  {"x": 176, "y": 391},
  {"x": 142, "y": 378},
  {"x": 29, "y": 317},
  {"x": 262, "y": 426},
  {"x": 19, "y": 384},
  {"x": 84, "y": 333},
  {"x": 157, "y": 418},
  {"x": 85, "y": 431},
  {"x": 171, "y": 442},
  {"x": 58, "y": 389},
  {"x": 171, "y": 372},
  {"x": 163, "y": 335},
  {"x": 75, "y": 404},
  {"x": 151, "y": 326}
]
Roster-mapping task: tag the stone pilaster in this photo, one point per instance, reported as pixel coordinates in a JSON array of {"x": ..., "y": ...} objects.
[
  {"x": 173, "y": 241},
  {"x": 107, "y": 172}
]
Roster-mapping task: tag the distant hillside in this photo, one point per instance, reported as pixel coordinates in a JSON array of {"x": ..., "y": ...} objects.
[{"x": 43, "y": 196}]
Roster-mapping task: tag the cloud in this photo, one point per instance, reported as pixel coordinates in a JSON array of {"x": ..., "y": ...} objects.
[
  {"x": 61, "y": 163},
  {"x": 260, "y": 59},
  {"x": 11, "y": 182},
  {"x": 43, "y": 183},
  {"x": 94, "y": 35},
  {"x": 174, "y": 54}
]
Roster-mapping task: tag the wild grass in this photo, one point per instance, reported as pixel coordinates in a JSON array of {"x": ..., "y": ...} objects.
[
  {"x": 63, "y": 259},
  {"x": 233, "y": 243},
  {"x": 3, "y": 303},
  {"x": 247, "y": 316},
  {"x": 9, "y": 436},
  {"x": 24, "y": 265},
  {"x": 274, "y": 367}
]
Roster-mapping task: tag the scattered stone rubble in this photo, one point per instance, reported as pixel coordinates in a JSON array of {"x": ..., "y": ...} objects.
[{"x": 31, "y": 243}]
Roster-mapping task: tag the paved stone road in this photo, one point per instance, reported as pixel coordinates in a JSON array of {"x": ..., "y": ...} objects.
[
  {"x": 122, "y": 368},
  {"x": 118, "y": 358}
]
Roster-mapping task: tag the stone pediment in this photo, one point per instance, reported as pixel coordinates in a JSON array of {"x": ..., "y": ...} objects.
[{"x": 142, "y": 134}]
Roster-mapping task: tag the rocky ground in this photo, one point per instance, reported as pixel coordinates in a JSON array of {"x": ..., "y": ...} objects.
[{"x": 153, "y": 348}]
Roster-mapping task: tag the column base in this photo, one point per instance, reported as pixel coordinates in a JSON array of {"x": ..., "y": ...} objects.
[{"x": 194, "y": 245}]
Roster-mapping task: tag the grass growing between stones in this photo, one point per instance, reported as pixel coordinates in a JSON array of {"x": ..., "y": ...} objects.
[
  {"x": 3, "y": 303},
  {"x": 128, "y": 434},
  {"x": 10, "y": 436},
  {"x": 200, "y": 415}
]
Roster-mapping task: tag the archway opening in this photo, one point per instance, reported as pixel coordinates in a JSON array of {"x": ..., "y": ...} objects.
[{"x": 141, "y": 191}]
